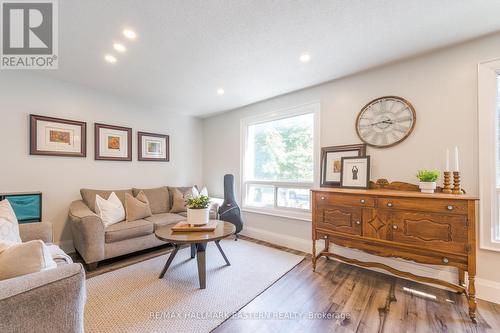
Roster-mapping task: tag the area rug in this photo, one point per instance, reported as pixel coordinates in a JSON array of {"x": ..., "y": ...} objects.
[{"x": 134, "y": 299}]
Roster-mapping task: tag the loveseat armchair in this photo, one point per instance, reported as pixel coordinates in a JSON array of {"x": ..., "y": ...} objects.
[{"x": 47, "y": 301}]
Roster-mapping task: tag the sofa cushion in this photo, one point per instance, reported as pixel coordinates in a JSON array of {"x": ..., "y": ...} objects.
[
  {"x": 161, "y": 220},
  {"x": 126, "y": 230},
  {"x": 159, "y": 198}
]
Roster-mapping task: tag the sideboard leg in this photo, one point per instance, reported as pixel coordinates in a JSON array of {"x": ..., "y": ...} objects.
[
  {"x": 327, "y": 248},
  {"x": 472, "y": 298},
  {"x": 461, "y": 279},
  {"x": 314, "y": 255}
]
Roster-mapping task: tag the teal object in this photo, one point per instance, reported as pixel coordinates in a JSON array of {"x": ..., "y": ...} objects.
[{"x": 27, "y": 207}]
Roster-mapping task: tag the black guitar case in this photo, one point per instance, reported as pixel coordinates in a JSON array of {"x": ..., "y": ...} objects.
[{"x": 229, "y": 210}]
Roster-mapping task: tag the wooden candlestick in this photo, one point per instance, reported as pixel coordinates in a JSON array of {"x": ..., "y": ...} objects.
[
  {"x": 456, "y": 183},
  {"x": 447, "y": 183}
]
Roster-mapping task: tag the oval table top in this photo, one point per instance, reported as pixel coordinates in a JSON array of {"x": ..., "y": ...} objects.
[{"x": 222, "y": 230}]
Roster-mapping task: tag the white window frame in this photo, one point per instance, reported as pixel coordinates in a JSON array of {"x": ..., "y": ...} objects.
[
  {"x": 488, "y": 155},
  {"x": 293, "y": 213}
]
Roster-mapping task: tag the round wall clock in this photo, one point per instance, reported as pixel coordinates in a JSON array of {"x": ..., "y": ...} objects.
[{"x": 385, "y": 121}]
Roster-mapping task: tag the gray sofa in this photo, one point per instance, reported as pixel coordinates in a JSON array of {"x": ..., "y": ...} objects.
[
  {"x": 95, "y": 243},
  {"x": 48, "y": 301}
]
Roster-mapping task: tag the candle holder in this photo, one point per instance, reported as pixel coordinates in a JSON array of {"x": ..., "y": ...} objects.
[
  {"x": 447, "y": 183},
  {"x": 456, "y": 183}
]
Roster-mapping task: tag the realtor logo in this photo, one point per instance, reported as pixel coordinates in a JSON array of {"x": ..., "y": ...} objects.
[{"x": 29, "y": 34}]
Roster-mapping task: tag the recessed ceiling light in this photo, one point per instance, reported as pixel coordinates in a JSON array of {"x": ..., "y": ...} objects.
[
  {"x": 110, "y": 58},
  {"x": 130, "y": 34},
  {"x": 119, "y": 47},
  {"x": 220, "y": 91},
  {"x": 305, "y": 57}
]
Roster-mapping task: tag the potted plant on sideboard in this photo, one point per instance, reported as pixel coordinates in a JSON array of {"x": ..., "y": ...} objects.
[
  {"x": 198, "y": 210},
  {"x": 427, "y": 180}
]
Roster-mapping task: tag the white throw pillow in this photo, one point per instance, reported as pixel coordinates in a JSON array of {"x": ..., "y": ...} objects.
[
  {"x": 194, "y": 193},
  {"x": 9, "y": 227},
  {"x": 25, "y": 258},
  {"x": 110, "y": 211},
  {"x": 204, "y": 191}
]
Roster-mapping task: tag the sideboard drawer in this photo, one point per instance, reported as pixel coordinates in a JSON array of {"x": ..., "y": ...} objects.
[
  {"x": 340, "y": 219},
  {"x": 344, "y": 200},
  {"x": 439, "y": 232},
  {"x": 428, "y": 205}
]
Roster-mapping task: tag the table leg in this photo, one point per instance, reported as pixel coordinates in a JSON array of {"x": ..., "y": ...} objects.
[
  {"x": 169, "y": 260},
  {"x": 193, "y": 250},
  {"x": 200, "y": 256},
  {"x": 222, "y": 252}
]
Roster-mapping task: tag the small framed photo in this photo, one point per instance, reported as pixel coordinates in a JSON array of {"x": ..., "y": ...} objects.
[
  {"x": 153, "y": 147},
  {"x": 355, "y": 172},
  {"x": 113, "y": 143},
  {"x": 331, "y": 162},
  {"x": 57, "y": 137}
]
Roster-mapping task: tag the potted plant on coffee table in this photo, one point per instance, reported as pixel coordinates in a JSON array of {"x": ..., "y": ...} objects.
[
  {"x": 198, "y": 210},
  {"x": 427, "y": 180}
]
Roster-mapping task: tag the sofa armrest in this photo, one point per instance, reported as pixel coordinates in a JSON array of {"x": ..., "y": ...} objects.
[
  {"x": 47, "y": 301},
  {"x": 214, "y": 210},
  {"x": 88, "y": 232},
  {"x": 36, "y": 230}
]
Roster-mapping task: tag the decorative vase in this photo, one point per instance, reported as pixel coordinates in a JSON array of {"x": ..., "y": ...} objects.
[
  {"x": 198, "y": 216},
  {"x": 427, "y": 187}
]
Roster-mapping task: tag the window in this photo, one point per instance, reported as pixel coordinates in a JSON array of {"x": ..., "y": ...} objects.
[
  {"x": 489, "y": 154},
  {"x": 279, "y": 161}
]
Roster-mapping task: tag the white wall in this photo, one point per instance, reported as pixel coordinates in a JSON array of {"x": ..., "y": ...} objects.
[
  {"x": 60, "y": 178},
  {"x": 442, "y": 86}
]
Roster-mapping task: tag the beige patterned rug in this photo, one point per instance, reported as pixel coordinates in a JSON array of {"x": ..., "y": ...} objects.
[{"x": 134, "y": 299}]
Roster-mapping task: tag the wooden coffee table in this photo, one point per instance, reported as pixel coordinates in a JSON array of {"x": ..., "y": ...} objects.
[{"x": 198, "y": 241}]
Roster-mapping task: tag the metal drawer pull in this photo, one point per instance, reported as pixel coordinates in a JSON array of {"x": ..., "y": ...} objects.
[
  {"x": 445, "y": 260},
  {"x": 449, "y": 207},
  {"x": 389, "y": 204},
  {"x": 358, "y": 222},
  {"x": 325, "y": 236},
  {"x": 322, "y": 198},
  {"x": 362, "y": 200},
  {"x": 395, "y": 227}
]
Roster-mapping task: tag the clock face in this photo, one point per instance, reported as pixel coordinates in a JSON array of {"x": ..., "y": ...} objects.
[{"x": 385, "y": 121}]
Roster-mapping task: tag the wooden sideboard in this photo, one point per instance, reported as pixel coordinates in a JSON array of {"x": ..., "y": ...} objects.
[{"x": 437, "y": 229}]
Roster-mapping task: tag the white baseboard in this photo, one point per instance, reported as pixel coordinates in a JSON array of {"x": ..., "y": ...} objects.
[
  {"x": 485, "y": 289},
  {"x": 488, "y": 290}
]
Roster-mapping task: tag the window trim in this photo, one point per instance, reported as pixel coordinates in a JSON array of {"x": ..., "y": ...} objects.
[
  {"x": 292, "y": 213},
  {"x": 488, "y": 156}
]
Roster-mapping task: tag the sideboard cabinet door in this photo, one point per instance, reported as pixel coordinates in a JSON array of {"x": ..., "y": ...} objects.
[
  {"x": 439, "y": 232},
  {"x": 339, "y": 218}
]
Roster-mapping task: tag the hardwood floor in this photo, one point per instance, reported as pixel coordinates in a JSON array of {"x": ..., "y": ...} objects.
[{"x": 356, "y": 299}]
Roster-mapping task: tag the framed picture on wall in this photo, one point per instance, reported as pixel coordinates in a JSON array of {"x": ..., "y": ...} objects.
[
  {"x": 153, "y": 147},
  {"x": 57, "y": 137},
  {"x": 355, "y": 172},
  {"x": 113, "y": 143},
  {"x": 331, "y": 162}
]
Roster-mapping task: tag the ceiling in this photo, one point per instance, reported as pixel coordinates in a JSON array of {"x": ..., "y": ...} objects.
[{"x": 187, "y": 49}]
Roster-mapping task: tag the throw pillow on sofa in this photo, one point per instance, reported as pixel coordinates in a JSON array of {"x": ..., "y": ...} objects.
[
  {"x": 110, "y": 211},
  {"x": 179, "y": 199},
  {"x": 9, "y": 227},
  {"x": 137, "y": 208},
  {"x": 25, "y": 258}
]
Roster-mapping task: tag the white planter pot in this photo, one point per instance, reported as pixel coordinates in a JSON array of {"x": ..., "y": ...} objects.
[
  {"x": 198, "y": 216},
  {"x": 427, "y": 187}
]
